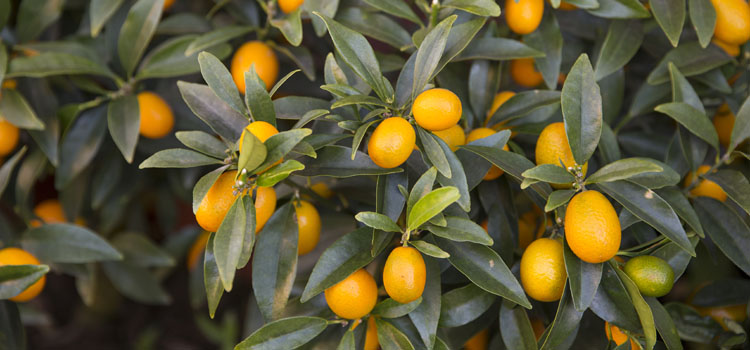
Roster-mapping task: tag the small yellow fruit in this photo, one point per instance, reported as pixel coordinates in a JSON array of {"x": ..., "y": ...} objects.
[
  {"x": 616, "y": 335},
  {"x": 552, "y": 147},
  {"x": 479, "y": 341},
  {"x": 566, "y": 6},
  {"x": 9, "y": 135},
  {"x": 391, "y": 143},
  {"x": 167, "y": 4},
  {"x": 437, "y": 109},
  {"x": 499, "y": 99},
  {"x": 524, "y": 16},
  {"x": 288, "y": 6},
  {"x": 215, "y": 205},
  {"x": 157, "y": 119},
  {"x": 260, "y": 129},
  {"x": 543, "y": 271},
  {"x": 371, "y": 334},
  {"x": 17, "y": 256},
  {"x": 353, "y": 297},
  {"x": 308, "y": 225},
  {"x": 453, "y": 136},
  {"x": 732, "y": 21},
  {"x": 480, "y": 133},
  {"x": 705, "y": 187},
  {"x": 50, "y": 211},
  {"x": 404, "y": 274},
  {"x": 524, "y": 73},
  {"x": 265, "y": 204},
  {"x": 724, "y": 124},
  {"x": 322, "y": 190},
  {"x": 592, "y": 228},
  {"x": 258, "y": 54},
  {"x": 731, "y": 49}
]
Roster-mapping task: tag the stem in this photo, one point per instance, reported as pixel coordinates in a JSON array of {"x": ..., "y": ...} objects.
[
  {"x": 434, "y": 13},
  {"x": 655, "y": 241},
  {"x": 405, "y": 238}
]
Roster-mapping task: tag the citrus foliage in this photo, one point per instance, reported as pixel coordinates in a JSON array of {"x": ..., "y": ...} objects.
[{"x": 448, "y": 173}]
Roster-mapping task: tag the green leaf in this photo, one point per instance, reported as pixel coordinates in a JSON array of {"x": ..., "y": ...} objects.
[
  {"x": 429, "y": 249},
  {"x": 430, "y": 205},
  {"x": 612, "y": 303},
  {"x": 221, "y": 118},
  {"x": 275, "y": 262},
  {"x": 548, "y": 39},
  {"x": 358, "y": 99},
  {"x": 667, "y": 177},
  {"x": 476, "y": 7},
  {"x": 377, "y": 221},
  {"x": 735, "y": 184},
  {"x": 649, "y": 207},
  {"x": 641, "y": 307},
  {"x": 220, "y": 80},
  {"x": 287, "y": 333},
  {"x": 249, "y": 232},
  {"x": 458, "y": 176},
  {"x": 582, "y": 110},
  {"x": 345, "y": 256},
  {"x": 80, "y": 145},
  {"x": 141, "y": 251},
  {"x": 463, "y": 305},
  {"x": 100, "y": 12},
  {"x": 583, "y": 279},
  {"x": 283, "y": 80},
  {"x": 279, "y": 172},
  {"x": 670, "y": 15},
  {"x": 690, "y": 325},
  {"x": 168, "y": 59},
  {"x": 421, "y": 187},
  {"x": 135, "y": 282},
  {"x": 377, "y": 26},
  {"x": 726, "y": 229},
  {"x": 203, "y": 142},
  {"x": 620, "y": 9},
  {"x": 429, "y": 54},
  {"x": 677, "y": 200},
  {"x": 461, "y": 230},
  {"x": 566, "y": 322},
  {"x": 257, "y": 99},
  {"x": 549, "y": 173},
  {"x": 67, "y": 243},
  {"x": 623, "y": 169},
  {"x": 124, "y": 121},
  {"x": 692, "y": 119},
  {"x": 425, "y": 317},
  {"x": 215, "y": 37},
  {"x": 557, "y": 199},
  {"x": 497, "y": 49},
  {"x": 703, "y": 18},
  {"x": 524, "y": 103},
  {"x": 485, "y": 268},
  {"x": 741, "y": 129},
  {"x": 14, "y": 279},
  {"x": 136, "y": 32},
  {"x": 211, "y": 278},
  {"x": 15, "y": 109},
  {"x": 34, "y": 16},
  {"x": 359, "y": 135},
  {"x": 336, "y": 161},
  {"x": 253, "y": 153},
  {"x": 682, "y": 91},
  {"x": 177, "y": 158},
  {"x": 281, "y": 144},
  {"x": 516, "y": 331},
  {"x": 398, "y": 8},
  {"x": 290, "y": 26},
  {"x": 691, "y": 59},
  {"x": 6, "y": 168},
  {"x": 390, "y": 337},
  {"x": 435, "y": 154},
  {"x": 204, "y": 184},
  {"x": 228, "y": 242},
  {"x": 513, "y": 164},
  {"x": 620, "y": 45},
  {"x": 664, "y": 324},
  {"x": 390, "y": 308}
]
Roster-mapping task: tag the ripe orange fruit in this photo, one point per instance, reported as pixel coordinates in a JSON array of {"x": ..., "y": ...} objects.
[
  {"x": 552, "y": 147},
  {"x": 215, "y": 205},
  {"x": 480, "y": 133},
  {"x": 524, "y": 73},
  {"x": 391, "y": 143},
  {"x": 17, "y": 256},
  {"x": 167, "y": 4},
  {"x": 499, "y": 99},
  {"x": 566, "y": 6},
  {"x": 288, "y": 6},
  {"x": 308, "y": 225},
  {"x": 653, "y": 276},
  {"x": 265, "y": 204},
  {"x": 543, "y": 270},
  {"x": 724, "y": 124},
  {"x": 197, "y": 249},
  {"x": 9, "y": 135},
  {"x": 437, "y": 109},
  {"x": 404, "y": 274},
  {"x": 157, "y": 119},
  {"x": 258, "y": 54},
  {"x": 371, "y": 334},
  {"x": 453, "y": 136},
  {"x": 538, "y": 327},
  {"x": 732, "y": 21},
  {"x": 523, "y": 16},
  {"x": 9, "y": 84},
  {"x": 322, "y": 190},
  {"x": 528, "y": 229},
  {"x": 737, "y": 313},
  {"x": 260, "y": 129},
  {"x": 479, "y": 341},
  {"x": 50, "y": 211},
  {"x": 592, "y": 228},
  {"x": 731, "y": 49},
  {"x": 353, "y": 297},
  {"x": 616, "y": 335},
  {"x": 705, "y": 187}
]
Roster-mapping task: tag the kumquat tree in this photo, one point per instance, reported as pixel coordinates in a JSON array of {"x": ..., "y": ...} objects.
[{"x": 374, "y": 174}]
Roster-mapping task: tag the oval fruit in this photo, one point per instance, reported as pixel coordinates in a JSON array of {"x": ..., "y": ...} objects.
[
  {"x": 732, "y": 21},
  {"x": 157, "y": 119},
  {"x": 254, "y": 53},
  {"x": 705, "y": 187},
  {"x": 391, "y": 143},
  {"x": 653, "y": 276},
  {"x": 543, "y": 270},
  {"x": 354, "y": 296},
  {"x": 592, "y": 227},
  {"x": 308, "y": 227},
  {"x": 17, "y": 256},
  {"x": 552, "y": 147},
  {"x": 404, "y": 274},
  {"x": 524, "y": 16},
  {"x": 437, "y": 109}
]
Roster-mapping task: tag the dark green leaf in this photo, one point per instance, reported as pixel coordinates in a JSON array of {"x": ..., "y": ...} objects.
[
  {"x": 14, "y": 279},
  {"x": 290, "y": 26},
  {"x": 377, "y": 221},
  {"x": 677, "y": 200},
  {"x": 727, "y": 230},
  {"x": 67, "y": 243},
  {"x": 204, "y": 103},
  {"x": 516, "y": 330},
  {"x": 279, "y": 172},
  {"x": 429, "y": 249},
  {"x": 620, "y": 9},
  {"x": 287, "y": 333},
  {"x": 463, "y": 305},
  {"x": 16, "y": 110},
  {"x": 220, "y": 80},
  {"x": 281, "y": 144},
  {"x": 692, "y": 119},
  {"x": 461, "y": 230},
  {"x": 398, "y": 8},
  {"x": 583, "y": 279},
  {"x": 228, "y": 242},
  {"x": 477, "y": 7},
  {"x": 257, "y": 99},
  {"x": 548, "y": 39},
  {"x": 6, "y": 168},
  {"x": 641, "y": 307},
  {"x": 620, "y": 45},
  {"x": 582, "y": 110},
  {"x": 513, "y": 164},
  {"x": 177, "y": 158},
  {"x": 691, "y": 59},
  {"x": 703, "y": 18},
  {"x": 735, "y": 184},
  {"x": 211, "y": 278},
  {"x": 434, "y": 152},
  {"x": 566, "y": 322},
  {"x": 670, "y": 14},
  {"x": 80, "y": 145},
  {"x": 429, "y": 54},
  {"x": 34, "y": 16},
  {"x": 664, "y": 325},
  {"x": 458, "y": 176},
  {"x": 557, "y": 199},
  {"x": 390, "y": 308},
  {"x": 135, "y": 282},
  {"x": 203, "y": 142},
  {"x": 168, "y": 59},
  {"x": 100, "y": 12},
  {"x": 124, "y": 121},
  {"x": 390, "y": 337},
  {"x": 498, "y": 49},
  {"x": 137, "y": 31},
  {"x": 549, "y": 173},
  {"x": 623, "y": 169},
  {"x": 524, "y": 103},
  {"x": 141, "y": 251},
  {"x": 741, "y": 129},
  {"x": 425, "y": 317},
  {"x": 215, "y": 37}
]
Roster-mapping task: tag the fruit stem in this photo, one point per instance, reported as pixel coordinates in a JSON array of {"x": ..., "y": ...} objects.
[
  {"x": 405, "y": 238},
  {"x": 650, "y": 244},
  {"x": 434, "y": 13}
]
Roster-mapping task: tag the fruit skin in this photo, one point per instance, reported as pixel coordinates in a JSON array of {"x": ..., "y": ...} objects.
[
  {"x": 157, "y": 119},
  {"x": 288, "y": 6},
  {"x": 260, "y": 54},
  {"x": 705, "y": 188},
  {"x": 616, "y": 335},
  {"x": 17, "y": 256},
  {"x": 499, "y": 99},
  {"x": 479, "y": 341},
  {"x": 353, "y": 297},
  {"x": 543, "y": 270},
  {"x": 526, "y": 225},
  {"x": 653, "y": 276},
  {"x": 265, "y": 204},
  {"x": 404, "y": 274},
  {"x": 308, "y": 227},
  {"x": 262, "y": 130},
  {"x": 737, "y": 313},
  {"x": 524, "y": 16},
  {"x": 392, "y": 142},
  {"x": 731, "y": 49},
  {"x": 197, "y": 250},
  {"x": 322, "y": 190},
  {"x": 168, "y": 4},
  {"x": 552, "y": 146},
  {"x": 724, "y": 124},
  {"x": 50, "y": 211},
  {"x": 592, "y": 228},
  {"x": 437, "y": 109},
  {"x": 732, "y": 21},
  {"x": 215, "y": 205},
  {"x": 371, "y": 334},
  {"x": 524, "y": 73},
  {"x": 480, "y": 133},
  {"x": 453, "y": 136},
  {"x": 9, "y": 135}
]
